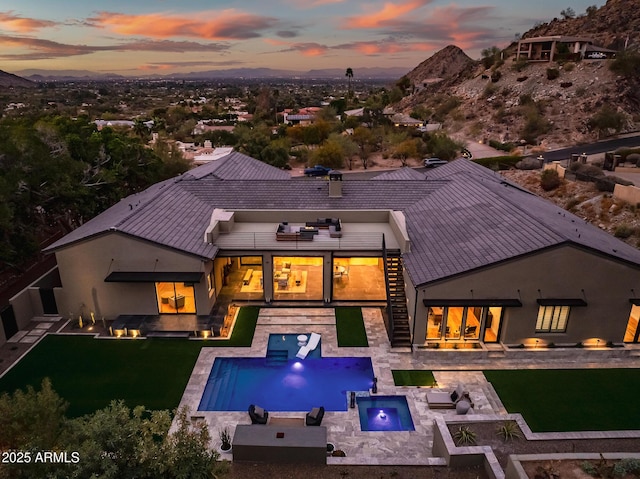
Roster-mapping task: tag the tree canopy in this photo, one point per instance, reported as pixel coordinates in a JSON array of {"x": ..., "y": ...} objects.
[{"x": 57, "y": 172}]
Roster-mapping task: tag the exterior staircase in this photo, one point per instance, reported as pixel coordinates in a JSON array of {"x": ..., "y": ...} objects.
[{"x": 400, "y": 332}]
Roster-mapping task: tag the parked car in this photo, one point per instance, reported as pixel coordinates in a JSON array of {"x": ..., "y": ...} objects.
[
  {"x": 317, "y": 170},
  {"x": 433, "y": 162}
]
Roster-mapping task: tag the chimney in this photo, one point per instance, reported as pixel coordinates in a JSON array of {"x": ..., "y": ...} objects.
[{"x": 335, "y": 184}]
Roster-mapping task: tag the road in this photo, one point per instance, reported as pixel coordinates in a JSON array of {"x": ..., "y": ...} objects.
[{"x": 592, "y": 148}]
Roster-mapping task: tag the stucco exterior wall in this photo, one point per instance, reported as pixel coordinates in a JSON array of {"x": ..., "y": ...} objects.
[
  {"x": 84, "y": 266},
  {"x": 562, "y": 272}
]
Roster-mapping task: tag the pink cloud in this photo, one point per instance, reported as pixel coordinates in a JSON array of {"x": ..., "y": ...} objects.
[
  {"x": 225, "y": 24},
  {"x": 20, "y": 24},
  {"x": 390, "y": 11}
]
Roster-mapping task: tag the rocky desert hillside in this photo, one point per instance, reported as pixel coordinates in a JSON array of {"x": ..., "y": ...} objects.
[{"x": 547, "y": 105}]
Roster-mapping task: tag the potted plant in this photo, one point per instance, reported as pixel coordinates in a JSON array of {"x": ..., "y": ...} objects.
[{"x": 225, "y": 439}]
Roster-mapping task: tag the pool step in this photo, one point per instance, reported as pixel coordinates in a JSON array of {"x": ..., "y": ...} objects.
[
  {"x": 222, "y": 395},
  {"x": 277, "y": 356}
]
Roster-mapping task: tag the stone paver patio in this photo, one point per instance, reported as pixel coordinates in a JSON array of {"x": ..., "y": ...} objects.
[{"x": 343, "y": 428}]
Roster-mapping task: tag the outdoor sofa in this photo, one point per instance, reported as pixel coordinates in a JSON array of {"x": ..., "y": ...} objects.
[{"x": 439, "y": 399}]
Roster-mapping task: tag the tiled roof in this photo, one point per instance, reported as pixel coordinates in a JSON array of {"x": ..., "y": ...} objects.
[
  {"x": 462, "y": 216},
  {"x": 403, "y": 173}
]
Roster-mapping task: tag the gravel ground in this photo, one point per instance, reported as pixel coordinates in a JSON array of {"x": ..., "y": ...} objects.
[
  {"x": 486, "y": 435},
  {"x": 294, "y": 471}
]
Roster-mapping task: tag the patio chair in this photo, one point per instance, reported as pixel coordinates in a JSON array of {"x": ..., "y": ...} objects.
[
  {"x": 258, "y": 415},
  {"x": 310, "y": 346},
  {"x": 314, "y": 417},
  {"x": 439, "y": 399},
  {"x": 470, "y": 330}
]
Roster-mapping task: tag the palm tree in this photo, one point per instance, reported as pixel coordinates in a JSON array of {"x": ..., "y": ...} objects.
[{"x": 349, "y": 75}]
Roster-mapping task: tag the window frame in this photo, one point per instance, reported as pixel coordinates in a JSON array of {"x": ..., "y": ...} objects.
[{"x": 553, "y": 316}]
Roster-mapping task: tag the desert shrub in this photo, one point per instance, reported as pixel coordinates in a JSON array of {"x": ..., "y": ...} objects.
[
  {"x": 520, "y": 64},
  {"x": 495, "y": 76},
  {"x": 489, "y": 90},
  {"x": 569, "y": 67},
  {"x": 589, "y": 468},
  {"x": 552, "y": 73},
  {"x": 501, "y": 146},
  {"x": 508, "y": 431},
  {"x": 571, "y": 204},
  {"x": 549, "y": 180},
  {"x": 626, "y": 63},
  {"x": 605, "y": 183},
  {"x": 464, "y": 436},
  {"x": 535, "y": 125},
  {"x": 566, "y": 84},
  {"x": 586, "y": 170},
  {"x": 626, "y": 466},
  {"x": 606, "y": 119},
  {"x": 498, "y": 162},
  {"x": 529, "y": 163},
  {"x": 623, "y": 231},
  {"x": 626, "y": 153},
  {"x": 526, "y": 99},
  {"x": 445, "y": 106}
]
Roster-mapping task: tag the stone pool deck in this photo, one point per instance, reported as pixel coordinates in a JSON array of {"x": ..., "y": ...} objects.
[{"x": 343, "y": 428}]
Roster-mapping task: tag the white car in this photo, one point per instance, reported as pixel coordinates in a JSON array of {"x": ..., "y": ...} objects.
[{"x": 433, "y": 162}]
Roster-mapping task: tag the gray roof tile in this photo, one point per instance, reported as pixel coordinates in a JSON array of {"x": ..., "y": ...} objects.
[{"x": 462, "y": 217}]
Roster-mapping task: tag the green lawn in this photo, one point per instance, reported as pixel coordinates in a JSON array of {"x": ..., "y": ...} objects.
[
  {"x": 350, "y": 327},
  {"x": 412, "y": 377},
  {"x": 571, "y": 399},
  {"x": 89, "y": 373}
]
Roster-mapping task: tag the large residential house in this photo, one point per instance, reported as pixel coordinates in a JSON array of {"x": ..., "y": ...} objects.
[
  {"x": 546, "y": 49},
  {"x": 458, "y": 257}
]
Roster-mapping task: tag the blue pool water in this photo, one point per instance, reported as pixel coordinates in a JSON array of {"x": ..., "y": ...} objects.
[
  {"x": 384, "y": 413},
  {"x": 286, "y": 346},
  {"x": 279, "y": 384}
]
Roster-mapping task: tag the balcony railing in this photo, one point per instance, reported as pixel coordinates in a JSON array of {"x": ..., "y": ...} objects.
[{"x": 267, "y": 240}]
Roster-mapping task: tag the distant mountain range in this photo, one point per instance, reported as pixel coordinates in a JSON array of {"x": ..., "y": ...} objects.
[{"x": 247, "y": 73}]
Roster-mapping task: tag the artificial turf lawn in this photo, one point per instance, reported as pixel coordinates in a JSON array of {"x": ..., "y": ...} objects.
[
  {"x": 570, "y": 399},
  {"x": 89, "y": 373},
  {"x": 350, "y": 327},
  {"x": 412, "y": 377}
]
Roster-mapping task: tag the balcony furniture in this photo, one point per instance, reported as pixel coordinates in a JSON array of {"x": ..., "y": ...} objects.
[
  {"x": 334, "y": 225},
  {"x": 258, "y": 415},
  {"x": 283, "y": 281},
  {"x": 247, "y": 276},
  {"x": 470, "y": 331},
  {"x": 177, "y": 301},
  {"x": 439, "y": 399},
  {"x": 310, "y": 346},
  {"x": 287, "y": 233},
  {"x": 314, "y": 417}
]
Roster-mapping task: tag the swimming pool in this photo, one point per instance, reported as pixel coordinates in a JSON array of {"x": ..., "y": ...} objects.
[
  {"x": 284, "y": 385},
  {"x": 384, "y": 413}
]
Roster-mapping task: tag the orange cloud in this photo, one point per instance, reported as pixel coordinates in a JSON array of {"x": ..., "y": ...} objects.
[
  {"x": 23, "y": 25},
  {"x": 387, "y": 47},
  {"x": 390, "y": 11},
  {"x": 225, "y": 24}
]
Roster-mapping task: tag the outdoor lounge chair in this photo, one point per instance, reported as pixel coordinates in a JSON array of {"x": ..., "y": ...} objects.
[
  {"x": 310, "y": 346},
  {"x": 314, "y": 418},
  {"x": 258, "y": 415},
  {"x": 439, "y": 399}
]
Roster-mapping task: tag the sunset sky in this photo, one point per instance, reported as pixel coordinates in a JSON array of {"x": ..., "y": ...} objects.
[{"x": 138, "y": 37}]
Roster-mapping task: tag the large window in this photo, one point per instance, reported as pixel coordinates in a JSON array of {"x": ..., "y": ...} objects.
[
  {"x": 240, "y": 276},
  {"x": 465, "y": 323},
  {"x": 176, "y": 298},
  {"x": 552, "y": 319},
  {"x": 632, "y": 333},
  {"x": 359, "y": 279},
  {"x": 297, "y": 277}
]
